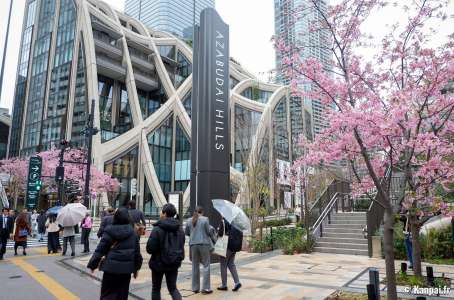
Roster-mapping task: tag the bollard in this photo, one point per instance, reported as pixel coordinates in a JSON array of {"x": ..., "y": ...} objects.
[
  {"x": 420, "y": 298},
  {"x": 371, "y": 292},
  {"x": 374, "y": 279},
  {"x": 403, "y": 267},
  {"x": 430, "y": 275}
]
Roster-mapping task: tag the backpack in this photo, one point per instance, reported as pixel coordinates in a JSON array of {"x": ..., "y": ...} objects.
[{"x": 172, "y": 253}]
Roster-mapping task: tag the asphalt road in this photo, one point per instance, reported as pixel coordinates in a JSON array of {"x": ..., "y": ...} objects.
[{"x": 41, "y": 276}]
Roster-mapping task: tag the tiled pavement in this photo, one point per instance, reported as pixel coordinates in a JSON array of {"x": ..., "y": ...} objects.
[{"x": 270, "y": 276}]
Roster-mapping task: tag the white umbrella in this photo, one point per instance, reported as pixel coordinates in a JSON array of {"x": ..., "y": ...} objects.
[
  {"x": 71, "y": 214},
  {"x": 233, "y": 214}
]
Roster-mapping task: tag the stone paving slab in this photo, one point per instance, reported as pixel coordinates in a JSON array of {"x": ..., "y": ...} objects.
[{"x": 271, "y": 276}]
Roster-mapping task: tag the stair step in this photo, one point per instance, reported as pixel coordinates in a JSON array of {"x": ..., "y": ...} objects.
[
  {"x": 341, "y": 245},
  {"x": 343, "y": 230},
  {"x": 337, "y": 239},
  {"x": 341, "y": 251},
  {"x": 342, "y": 224},
  {"x": 342, "y": 235},
  {"x": 349, "y": 221}
]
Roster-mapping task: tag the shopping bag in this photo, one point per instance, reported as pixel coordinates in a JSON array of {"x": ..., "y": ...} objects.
[{"x": 220, "y": 248}]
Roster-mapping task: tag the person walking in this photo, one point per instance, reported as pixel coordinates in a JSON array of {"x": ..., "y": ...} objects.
[
  {"x": 118, "y": 256},
  {"x": 137, "y": 218},
  {"x": 166, "y": 246},
  {"x": 53, "y": 231},
  {"x": 234, "y": 245},
  {"x": 6, "y": 227},
  {"x": 86, "y": 225},
  {"x": 106, "y": 221},
  {"x": 34, "y": 220},
  {"x": 41, "y": 220},
  {"x": 21, "y": 231},
  {"x": 200, "y": 244},
  {"x": 405, "y": 218},
  {"x": 69, "y": 237}
]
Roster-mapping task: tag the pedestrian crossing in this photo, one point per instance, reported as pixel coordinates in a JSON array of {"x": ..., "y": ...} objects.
[{"x": 33, "y": 242}]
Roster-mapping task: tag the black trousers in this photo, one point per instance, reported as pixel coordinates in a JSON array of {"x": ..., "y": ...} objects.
[
  {"x": 171, "y": 280},
  {"x": 115, "y": 286},
  {"x": 3, "y": 241},
  {"x": 52, "y": 242},
  {"x": 85, "y": 240}
]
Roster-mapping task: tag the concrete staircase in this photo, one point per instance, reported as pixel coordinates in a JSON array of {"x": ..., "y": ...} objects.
[{"x": 344, "y": 235}]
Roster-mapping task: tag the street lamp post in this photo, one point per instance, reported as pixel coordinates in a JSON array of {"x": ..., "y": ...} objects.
[{"x": 89, "y": 131}]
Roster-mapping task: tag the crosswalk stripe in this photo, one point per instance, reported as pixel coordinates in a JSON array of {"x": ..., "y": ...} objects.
[{"x": 34, "y": 242}]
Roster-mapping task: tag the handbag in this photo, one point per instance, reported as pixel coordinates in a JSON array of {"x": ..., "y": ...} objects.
[
  {"x": 220, "y": 248},
  {"x": 22, "y": 233},
  {"x": 101, "y": 261}
]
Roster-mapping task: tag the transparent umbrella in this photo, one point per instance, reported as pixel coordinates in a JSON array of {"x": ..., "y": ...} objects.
[
  {"x": 54, "y": 210},
  {"x": 71, "y": 214},
  {"x": 233, "y": 214}
]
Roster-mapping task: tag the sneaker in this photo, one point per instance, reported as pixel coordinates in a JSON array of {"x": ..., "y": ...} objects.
[
  {"x": 237, "y": 287},
  {"x": 24, "y": 253},
  {"x": 196, "y": 292},
  {"x": 222, "y": 288},
  {"x": 207, "y": 292},
  {"x": 73, "y": 254}
]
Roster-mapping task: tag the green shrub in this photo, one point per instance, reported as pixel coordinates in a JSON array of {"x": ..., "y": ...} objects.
[
  {"x": 276, "y": 223},
  {"x": 290, "y": 240},
  {"x": 437, "y": 243}
]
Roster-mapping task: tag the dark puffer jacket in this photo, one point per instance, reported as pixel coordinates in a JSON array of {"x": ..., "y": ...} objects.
[
  {"x": 120, "y": 247},
  {"x": 156, "y": 242}
]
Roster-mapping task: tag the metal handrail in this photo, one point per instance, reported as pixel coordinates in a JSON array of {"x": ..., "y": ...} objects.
[{"x": 325, "y": 213}]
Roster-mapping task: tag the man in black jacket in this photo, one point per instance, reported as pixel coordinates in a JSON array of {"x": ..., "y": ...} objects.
[
  {"x": 166, "y": 246},
  {"x": 106, "y": 221},
  {"x": 6, "y": 228}
]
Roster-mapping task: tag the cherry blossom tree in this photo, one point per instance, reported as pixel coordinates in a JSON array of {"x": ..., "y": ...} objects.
[
  {"x": 17, "y": 168},
  {"x": 391, "y": 113}
]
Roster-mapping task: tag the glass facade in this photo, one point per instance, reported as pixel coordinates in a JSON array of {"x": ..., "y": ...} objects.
[
  {"x": 114, "y": 109},
  {"x": 233, "y": 82},
  {"x": 151, "y": 101},
  {"x": 160, "y": 144},
  {"x": 54, "y": 125},
  {"x": 246, "y": 123},
  {"x": 281, "y": 138},
  {"x": 124, "y": 168},
  {"x": 177, "y": 65},
  {"x": 256, "y": 94},
  {"x": 182, "y": 159},
  {"x": 176, "y": 17},
  {"x": 38, "y": 81},
  {"x": 4, "y": 131},
  {"x": 295, "y": 29},
  {"x": 80, "y": 109},
  {"x": 149, "y": 205},
  {"x": 21, "y": 81}
]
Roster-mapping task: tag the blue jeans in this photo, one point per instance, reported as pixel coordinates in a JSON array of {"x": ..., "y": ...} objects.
[{"x": 409, "y": 248}]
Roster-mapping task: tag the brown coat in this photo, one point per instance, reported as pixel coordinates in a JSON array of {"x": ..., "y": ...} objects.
[{"x": 21, "y": 224}]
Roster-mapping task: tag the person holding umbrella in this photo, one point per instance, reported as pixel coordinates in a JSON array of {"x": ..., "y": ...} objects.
[
  {"x": 234, "y": 245},
  {"x": 52, "y": 234},
  {"x": 68, "y": 217}
]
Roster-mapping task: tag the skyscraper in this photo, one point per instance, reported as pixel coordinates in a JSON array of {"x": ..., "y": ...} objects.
[
  {"x": 292, "y": 23},
  {"x": 174, "y": 16}
]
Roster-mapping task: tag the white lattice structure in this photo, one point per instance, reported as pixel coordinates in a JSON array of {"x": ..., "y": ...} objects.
[{"x": 122, "y": 49}]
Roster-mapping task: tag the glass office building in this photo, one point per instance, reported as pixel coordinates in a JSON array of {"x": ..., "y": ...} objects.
[
  {"x": 76, "y": 51},
  {"x": 174, "y": 16},
  {"x": 294, "y": 28}
]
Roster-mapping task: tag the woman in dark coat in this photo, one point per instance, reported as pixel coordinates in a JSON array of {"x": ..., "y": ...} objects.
[
  {"x": 21, "y": 232},
  {"x": 118, "y": 256},
  {"x": 41, "y": 225},
  {"x": 234, "y": 245}
]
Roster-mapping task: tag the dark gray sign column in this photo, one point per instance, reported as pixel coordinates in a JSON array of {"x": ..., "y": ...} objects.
[{"x": 210, "y": 160}]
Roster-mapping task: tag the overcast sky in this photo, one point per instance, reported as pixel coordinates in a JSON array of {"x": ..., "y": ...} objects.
[{"x": 251, "y": 27}]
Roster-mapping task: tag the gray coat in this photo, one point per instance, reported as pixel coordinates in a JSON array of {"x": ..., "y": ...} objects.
[
  {"x": 200, "y": 234},
  {"x": 68, "y": 231}
]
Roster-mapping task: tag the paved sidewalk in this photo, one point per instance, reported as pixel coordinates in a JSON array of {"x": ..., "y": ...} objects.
[{"x": 264, "y": 276}]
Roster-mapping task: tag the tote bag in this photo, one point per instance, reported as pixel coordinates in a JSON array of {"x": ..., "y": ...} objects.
[{"x": 220, "y": 248}]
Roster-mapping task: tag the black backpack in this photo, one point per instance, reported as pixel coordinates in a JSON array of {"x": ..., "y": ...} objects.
[{"x": 172, "y": 253}]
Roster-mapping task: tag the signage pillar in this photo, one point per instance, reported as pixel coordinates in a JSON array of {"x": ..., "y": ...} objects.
[
  {"x": 34, "y": 181},
  {"x": 210, "y": 155}
]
